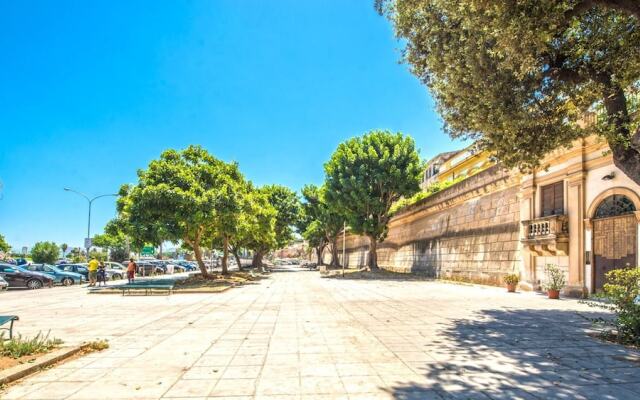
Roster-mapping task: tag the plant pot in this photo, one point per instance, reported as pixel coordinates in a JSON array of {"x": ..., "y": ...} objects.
[
  {"x": 511, "y": 287},
  {"x": 553, "y": 294}
]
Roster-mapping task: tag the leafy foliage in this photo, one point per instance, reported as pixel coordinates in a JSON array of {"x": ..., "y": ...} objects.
[
  {"x": 320, "y": 224},
  {"x": 4, "y": 246},
  {"x": 186, "y": 196},
  {"x": 366, "y": 175},
  {"x": 255, "y": 226},
  {"x": 555, "y": 278},
  {"x": 19, "y": 346},
  {"x": 433, "y": 188},
  {"x": 45, "y": 252},
  {"x": 518, "y": 76},
  {"x": 621, "y": 295},
  {"x": 287, "y": 206}
]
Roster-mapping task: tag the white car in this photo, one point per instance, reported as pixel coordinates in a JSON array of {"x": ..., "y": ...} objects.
[{"x": 3, "y": 284}]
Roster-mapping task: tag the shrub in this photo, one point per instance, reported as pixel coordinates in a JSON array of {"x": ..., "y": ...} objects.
[
  {"x": 19, "y": 346},
  {"x": 620, "y": 295},
  {"x": 555, "y": 278},
  {"x": 45, "y": 252},
  {"x": 511, "y": 279}
]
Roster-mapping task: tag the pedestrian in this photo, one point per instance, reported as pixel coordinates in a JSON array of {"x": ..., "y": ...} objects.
[
  {"x": 102, "y": 274},
  {"x": 93, "y": 271},
  {"x": 131, "y": 270}
]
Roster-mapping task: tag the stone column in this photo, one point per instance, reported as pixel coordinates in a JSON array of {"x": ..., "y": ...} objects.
[
  {"x": 575, "y": 210},
  {"x": 588, "y": 261},
  {"x": 527, "y": 198}
]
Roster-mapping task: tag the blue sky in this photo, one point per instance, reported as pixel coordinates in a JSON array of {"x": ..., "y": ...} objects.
[{"x": 92, "y": 91}]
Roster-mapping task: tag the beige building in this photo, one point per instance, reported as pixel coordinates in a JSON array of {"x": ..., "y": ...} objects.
[{"x": 580, "y": 213}]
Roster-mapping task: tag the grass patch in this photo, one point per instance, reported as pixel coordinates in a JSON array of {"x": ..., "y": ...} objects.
[{"x": 19, "y": 347}]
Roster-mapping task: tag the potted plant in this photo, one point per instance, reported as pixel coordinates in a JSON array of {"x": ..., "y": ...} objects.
[
  {"x": 512, "y": 282},
  {"x": 555, "y": 281}
]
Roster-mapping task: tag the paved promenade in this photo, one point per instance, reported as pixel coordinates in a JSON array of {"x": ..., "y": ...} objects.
[{"x": 297, "y": 336}]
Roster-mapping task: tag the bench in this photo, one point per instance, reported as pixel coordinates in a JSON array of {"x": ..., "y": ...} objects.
[
  {"x": 8, "y": 319},
  {"x": 148, "y": 288}
]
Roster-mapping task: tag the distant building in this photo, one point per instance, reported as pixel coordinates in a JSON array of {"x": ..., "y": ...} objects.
[{"x": 455, "y": 164}]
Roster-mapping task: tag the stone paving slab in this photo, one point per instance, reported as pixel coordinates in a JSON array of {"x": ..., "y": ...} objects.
[{"x": 298, "y": 336}]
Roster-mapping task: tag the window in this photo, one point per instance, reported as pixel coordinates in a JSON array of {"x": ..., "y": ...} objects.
[
  {"x": 553, "y": 199},
  {"x": 614, "y": 205}
]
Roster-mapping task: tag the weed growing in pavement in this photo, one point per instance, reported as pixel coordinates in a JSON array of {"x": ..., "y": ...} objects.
[{"x": 18, "y": 346}]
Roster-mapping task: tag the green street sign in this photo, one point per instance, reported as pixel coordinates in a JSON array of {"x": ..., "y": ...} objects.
[{"x": 148, "y": 250}]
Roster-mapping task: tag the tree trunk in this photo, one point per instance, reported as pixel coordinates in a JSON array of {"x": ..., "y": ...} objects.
[
  {"x": 319, "y": 250},
  {"x": 225, "y": 256},
  {"x": 372, "y": 259},
  {"x": 626, "y": 153},
  {"x": 237, "y": 256},
  {"x": 257, "y": 259},
  {"x": 198, "y": 253},
  {"x": 631, "y": 7},
  {"x": 334, "y": 252}
]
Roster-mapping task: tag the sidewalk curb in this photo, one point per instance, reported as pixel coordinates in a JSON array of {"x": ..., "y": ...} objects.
[{"x": 20, "y": 371}]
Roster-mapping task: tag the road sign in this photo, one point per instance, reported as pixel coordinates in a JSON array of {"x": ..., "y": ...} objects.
[
  {"x": 148, "y": 251},
  {"x": 87, "y": 243}
]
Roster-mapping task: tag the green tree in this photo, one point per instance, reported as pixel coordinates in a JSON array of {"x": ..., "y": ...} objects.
[
  {"x": 45, "y": 252},
  {"x": 77, "y": 255},
  {"x": 115, "y": 240},
  {"x": 519, "y": 76},
  {"x": 180, "y": 198},
  {"x": 4, "y": 246},
  {"x": 365, "y": 176},
  {"x": 287, "y": 206},
  {"x": 64, "y": 248},
  {"x": 255, "y": 226},
  {"x": 320, "y": 224}
]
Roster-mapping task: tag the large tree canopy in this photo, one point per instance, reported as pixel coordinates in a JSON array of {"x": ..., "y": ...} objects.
[
  {"x": 320, "y": 224},
  {"x": 45, "y": 252},
  {"x": 183, "y": 196},
  {"x": 519, "y": 76},
  {"x": 366, "y": 175}
]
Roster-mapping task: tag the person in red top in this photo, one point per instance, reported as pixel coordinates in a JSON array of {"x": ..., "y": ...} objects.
[{"x": 131, "y": 270}]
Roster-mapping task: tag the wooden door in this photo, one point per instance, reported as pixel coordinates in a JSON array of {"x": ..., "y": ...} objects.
[{"x": 614, "y": 245}]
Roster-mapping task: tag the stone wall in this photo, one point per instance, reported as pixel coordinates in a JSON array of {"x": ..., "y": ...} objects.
[{"x": 469, "y": 232}]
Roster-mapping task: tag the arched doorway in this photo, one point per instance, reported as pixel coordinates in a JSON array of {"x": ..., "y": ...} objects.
[{"x": 614, "y": 236}]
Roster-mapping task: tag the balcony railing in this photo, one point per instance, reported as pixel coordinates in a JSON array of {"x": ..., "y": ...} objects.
[
  {"x": 555, "y": 225},
  {"x": 547, "y": 235}
]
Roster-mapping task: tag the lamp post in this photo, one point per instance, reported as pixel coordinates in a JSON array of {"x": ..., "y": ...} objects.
[{"x": 90, "y": 201}]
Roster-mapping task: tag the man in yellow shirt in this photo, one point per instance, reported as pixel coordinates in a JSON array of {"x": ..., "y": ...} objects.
[{"x": 93, "y": 271}]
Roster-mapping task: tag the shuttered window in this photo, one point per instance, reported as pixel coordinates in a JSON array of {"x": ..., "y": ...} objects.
[{"x": 553, "y": 199}]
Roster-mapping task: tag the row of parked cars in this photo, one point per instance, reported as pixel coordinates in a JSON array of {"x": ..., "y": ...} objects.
[{"x": 36, "y": 276}]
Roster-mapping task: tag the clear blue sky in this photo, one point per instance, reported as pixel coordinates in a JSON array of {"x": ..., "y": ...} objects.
[{"x": 92, "y": 91}]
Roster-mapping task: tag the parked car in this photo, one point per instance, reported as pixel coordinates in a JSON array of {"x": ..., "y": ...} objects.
[
  {"x": 17, "y": 276},
  {"x": 77, "y": 268},
  {"x": 148, "y": 268},
  {"x": 115, "y": 270},
  {"x": 65, "y": 278},
  {"x": 3, "y": 284}
]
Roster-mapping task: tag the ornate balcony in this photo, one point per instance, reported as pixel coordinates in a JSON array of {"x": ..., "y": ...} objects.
[{"x": 547, "y": 236}]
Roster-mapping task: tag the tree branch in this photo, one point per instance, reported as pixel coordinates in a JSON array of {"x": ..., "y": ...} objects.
[{"x": 630, "y": 7}]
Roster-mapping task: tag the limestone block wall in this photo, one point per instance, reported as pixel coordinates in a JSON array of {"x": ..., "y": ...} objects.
[{"x": 470, "y": 231}]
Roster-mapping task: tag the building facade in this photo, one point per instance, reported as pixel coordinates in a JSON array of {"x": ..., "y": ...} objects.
[{"x": 580, "y": 213}]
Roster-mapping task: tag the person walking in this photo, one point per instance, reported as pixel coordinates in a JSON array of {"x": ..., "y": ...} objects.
[
  {"x": 131, "y": 270},
  {"x": 93, "y": 271},
  {"x": 102, "y": 274}
]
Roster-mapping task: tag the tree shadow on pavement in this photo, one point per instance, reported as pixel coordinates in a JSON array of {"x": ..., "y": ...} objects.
[{"x": 523, "y": 354}]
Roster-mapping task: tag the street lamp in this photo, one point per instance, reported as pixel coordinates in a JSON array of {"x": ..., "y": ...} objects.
[{"x": 87, "y": 243}]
